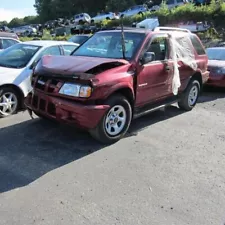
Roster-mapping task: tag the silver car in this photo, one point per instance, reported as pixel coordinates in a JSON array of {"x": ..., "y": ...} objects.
[
  {"x": 82, "y": 17},
  {"x": 105, "y": 16},
  {"x": 135, "y": 10}
]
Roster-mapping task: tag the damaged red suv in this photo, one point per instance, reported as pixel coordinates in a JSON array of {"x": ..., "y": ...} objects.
[{"x": 117, "y": 76}]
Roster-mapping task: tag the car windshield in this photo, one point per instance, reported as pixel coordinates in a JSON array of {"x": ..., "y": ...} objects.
[
  {"x": 216, "y": 54},
  {"x": 109, "y": 45},
  {"x": 18, "y": 56},
  {"x": 78, "y": 39}
]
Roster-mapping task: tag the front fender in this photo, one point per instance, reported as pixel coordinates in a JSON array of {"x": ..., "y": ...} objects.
[{"x": 118, "y": 87}]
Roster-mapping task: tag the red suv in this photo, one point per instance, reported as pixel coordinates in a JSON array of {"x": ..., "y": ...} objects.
[{"x": 117, "y": 76}]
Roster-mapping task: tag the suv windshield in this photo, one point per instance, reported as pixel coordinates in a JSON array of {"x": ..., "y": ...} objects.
[
  {"x": 17, "y": 56},
  {"x": 215, "y": 54},
  {"x": 109, "y": 45}
]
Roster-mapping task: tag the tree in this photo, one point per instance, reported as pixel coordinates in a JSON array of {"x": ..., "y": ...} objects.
[
  {"x": 119, "y": 5},
  {"x": 16, "y": 22}
]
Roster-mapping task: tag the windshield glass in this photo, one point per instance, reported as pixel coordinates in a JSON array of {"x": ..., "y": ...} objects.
[
  {"x": 215, "y": 54},
  {"x": 109, "y": 45},
  {"x": 78, "y": 39},
  {"x": 17, "y": 56}
]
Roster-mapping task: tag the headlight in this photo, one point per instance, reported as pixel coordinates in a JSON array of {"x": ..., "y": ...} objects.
[{"x": 75, "y": 90}]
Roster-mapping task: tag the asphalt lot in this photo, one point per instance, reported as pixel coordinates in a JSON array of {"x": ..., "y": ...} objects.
[{"x": 170, "y": 169}]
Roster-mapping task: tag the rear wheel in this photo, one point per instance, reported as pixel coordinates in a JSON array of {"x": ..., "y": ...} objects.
[
  {"x": 190, "y": 97},
  {"x": 116, "y": 121},
  {"x": 9, "y": 102}
]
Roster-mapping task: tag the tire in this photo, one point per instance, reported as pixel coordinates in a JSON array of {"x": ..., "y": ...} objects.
[
  {"x": 187, "y": 102},
  {"x": 101, "y": 133},
  {"x": 141, "y": 13},
  {"x": 9, "y": 102}
]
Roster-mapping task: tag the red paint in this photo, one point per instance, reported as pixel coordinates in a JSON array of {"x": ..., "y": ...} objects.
[
  {"x": 145, "y": 84},
  {"x": 215, "y": 79}
]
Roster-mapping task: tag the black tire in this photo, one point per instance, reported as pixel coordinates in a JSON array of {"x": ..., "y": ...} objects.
[
  {"x": 184, "y": 98},
  {"x": 100, "y": 134},
  {"x": 107, "y": 18},
  {"x": 18, "y": 99},
  {"x": 141, "y": 13}
]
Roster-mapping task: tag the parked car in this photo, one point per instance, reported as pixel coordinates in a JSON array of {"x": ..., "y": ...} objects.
[
  {"x": 6, "y": 42},
  {"x": 216, "y": 66},
  {"x": 82, "y": 18},
  {"x": 25, "y": 30},
  {"x": 9, "y": 35},
  {"x": 105, "y": 85},
  {"x": 195, "y": 27},
  {"x": 135, "y": 10},
  {"x": 105, "y": 16},
  {"x": 79, "y": 39},
  {"x": 16, "y": 66}
]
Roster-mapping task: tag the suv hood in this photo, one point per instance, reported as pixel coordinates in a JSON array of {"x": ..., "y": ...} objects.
[{"x": 75, "y": 65}]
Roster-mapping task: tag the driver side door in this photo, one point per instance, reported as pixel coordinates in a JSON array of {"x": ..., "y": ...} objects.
[{"x": 155, "y": 77}]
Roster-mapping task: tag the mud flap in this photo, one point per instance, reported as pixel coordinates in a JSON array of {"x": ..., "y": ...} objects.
[{"x": 30, "y": 113}]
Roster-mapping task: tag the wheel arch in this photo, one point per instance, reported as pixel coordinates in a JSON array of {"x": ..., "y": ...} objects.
[
  {"x": 17, "y": 89},
  {"x": 197, "y": 76},
  {"x": 127, "y": 92}
]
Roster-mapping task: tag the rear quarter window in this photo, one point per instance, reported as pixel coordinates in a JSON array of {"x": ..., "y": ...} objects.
[{"x": 197, "y": 45}]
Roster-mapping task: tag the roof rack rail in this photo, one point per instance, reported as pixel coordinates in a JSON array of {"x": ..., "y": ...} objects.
[{"x": 171, "y": 29}]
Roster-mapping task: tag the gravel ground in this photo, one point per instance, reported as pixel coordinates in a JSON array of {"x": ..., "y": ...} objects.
[{"x": 168, "y": 170}]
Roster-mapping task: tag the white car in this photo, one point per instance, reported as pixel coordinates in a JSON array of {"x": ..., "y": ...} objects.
[
  {"x": 6, "y": 42},
  {"x": 16, "y": 65},
  {"x": 82, "y": 17},
  {"x": 105, "y": 16}
]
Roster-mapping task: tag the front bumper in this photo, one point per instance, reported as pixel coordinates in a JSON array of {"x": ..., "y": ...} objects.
[{"x": 73, "y": 113}]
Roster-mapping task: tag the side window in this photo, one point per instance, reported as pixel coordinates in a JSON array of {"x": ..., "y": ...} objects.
[
  {"x": 159, "y": 47},
  {"x": 68, "y": 49},
  {"x": 197, "y": 45},
  {"x": 53, "y": 50}
]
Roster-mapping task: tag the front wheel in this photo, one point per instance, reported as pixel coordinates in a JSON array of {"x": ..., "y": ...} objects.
[
  {"x": 116, "y": 121},
  {"x": 189, "y": 98},
  {"x": 9, "y": 102}
]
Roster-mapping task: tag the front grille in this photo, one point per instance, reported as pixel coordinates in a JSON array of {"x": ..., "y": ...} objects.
[
  {"x": 46, "y": 84},
  {"x": 43, "y": 105}
]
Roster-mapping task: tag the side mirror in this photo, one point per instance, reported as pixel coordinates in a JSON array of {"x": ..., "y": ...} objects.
[{"x": 147, "y": 58}]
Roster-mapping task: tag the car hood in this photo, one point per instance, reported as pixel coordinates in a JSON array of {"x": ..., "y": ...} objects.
[
  {"x": 75, "y": 65},
  {"x": 216, "y": 63},
  {"x": 8, "y": 71}
]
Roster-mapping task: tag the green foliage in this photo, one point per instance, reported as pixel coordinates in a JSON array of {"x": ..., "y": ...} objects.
[
  {"x": 213, "y": 13},
  {"x": 119, "y": 5}
]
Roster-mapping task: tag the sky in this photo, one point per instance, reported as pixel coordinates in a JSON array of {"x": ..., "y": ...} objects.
[{"x": 16, "y": 8}]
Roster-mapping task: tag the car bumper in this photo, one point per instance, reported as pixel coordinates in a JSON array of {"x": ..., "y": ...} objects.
[
  {"x": 73, "y": 113},
  {"x": 217, "y": 81}
]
